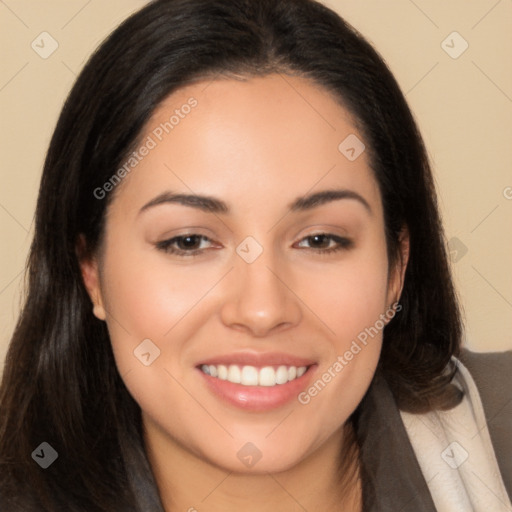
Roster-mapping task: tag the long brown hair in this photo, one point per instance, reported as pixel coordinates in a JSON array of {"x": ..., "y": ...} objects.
[{"x": 60, "y": 384}]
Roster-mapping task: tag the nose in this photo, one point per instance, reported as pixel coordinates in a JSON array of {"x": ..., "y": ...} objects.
[{"x": 261, "y": 299}]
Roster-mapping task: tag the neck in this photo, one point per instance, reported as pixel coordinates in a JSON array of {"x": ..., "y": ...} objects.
[{"x": 328, "y": 479}]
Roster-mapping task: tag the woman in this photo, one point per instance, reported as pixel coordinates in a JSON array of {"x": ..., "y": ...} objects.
[{"x": 239, "y": 295}]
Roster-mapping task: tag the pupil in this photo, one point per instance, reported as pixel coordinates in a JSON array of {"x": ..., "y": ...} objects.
[
  {"x": 319, "y": 239},
  {"x": 189, "y": 241}
]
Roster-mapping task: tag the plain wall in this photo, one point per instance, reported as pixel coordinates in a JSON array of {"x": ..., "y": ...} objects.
[{"x": 463, "y": 106}]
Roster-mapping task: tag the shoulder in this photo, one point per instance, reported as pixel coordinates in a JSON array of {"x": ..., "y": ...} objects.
[{"x": 492, "y": 373}]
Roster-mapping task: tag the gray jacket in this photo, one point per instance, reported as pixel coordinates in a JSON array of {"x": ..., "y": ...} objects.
[{"x": 395, "y": 481}]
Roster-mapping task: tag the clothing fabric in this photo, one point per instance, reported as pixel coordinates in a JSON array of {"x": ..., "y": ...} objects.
[
  {"x": 456, "y": 455},
  {"x": 411, "y": 461}
]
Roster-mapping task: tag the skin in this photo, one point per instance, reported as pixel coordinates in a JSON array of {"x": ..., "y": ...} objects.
[{"x": 257, "y": 144}]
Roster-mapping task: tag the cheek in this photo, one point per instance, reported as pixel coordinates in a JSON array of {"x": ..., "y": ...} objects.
[
  {"x": 150, "y": 299},
  {"x": 349, "y": 297},
  {"x": 146, "y": 296},
  {"x": 351, "y": 300}
]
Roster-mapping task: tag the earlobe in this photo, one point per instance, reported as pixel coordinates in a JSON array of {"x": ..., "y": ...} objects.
[
  {"x": 99, "y": 312},
  {"x": 90, "y": 276}
]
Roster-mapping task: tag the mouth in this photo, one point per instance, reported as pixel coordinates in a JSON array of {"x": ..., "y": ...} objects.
[
  {"x": 267, "y": 376},
  {"x": 256, "y": 382}
]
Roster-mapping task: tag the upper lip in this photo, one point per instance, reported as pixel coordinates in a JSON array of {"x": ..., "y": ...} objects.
[{"x": 258, "y": 359}]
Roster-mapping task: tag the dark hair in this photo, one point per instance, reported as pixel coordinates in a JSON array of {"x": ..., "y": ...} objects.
[{"x": 60, "y": 383}]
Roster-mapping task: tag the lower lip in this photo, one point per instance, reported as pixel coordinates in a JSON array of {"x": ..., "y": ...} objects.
[{"x": 258, "y": 398}]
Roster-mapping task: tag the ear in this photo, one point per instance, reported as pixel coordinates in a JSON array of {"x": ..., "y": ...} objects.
[
  {"x": 397, "y": 274},
  {"x": 90, "y": 275}
]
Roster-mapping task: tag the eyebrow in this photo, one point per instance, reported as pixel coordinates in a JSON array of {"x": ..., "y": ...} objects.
[{"x": 214, "y": 205}]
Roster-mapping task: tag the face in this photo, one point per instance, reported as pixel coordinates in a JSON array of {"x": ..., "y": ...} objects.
[{"x": 244, "y": 277}]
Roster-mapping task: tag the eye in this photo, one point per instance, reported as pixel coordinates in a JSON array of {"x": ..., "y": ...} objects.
[
  {"x": 193, "y": 244},
  {"x": 190, "y": 244},
  {"x": 326, "y": 243}
]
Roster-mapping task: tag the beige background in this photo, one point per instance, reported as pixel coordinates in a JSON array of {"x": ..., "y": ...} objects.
[{"x": 463, "y": 106}]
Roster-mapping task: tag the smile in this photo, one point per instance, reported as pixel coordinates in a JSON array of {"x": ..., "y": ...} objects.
[{"x": 267, "y": 376}]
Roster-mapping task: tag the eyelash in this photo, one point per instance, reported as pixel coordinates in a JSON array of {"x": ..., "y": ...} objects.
[{"x": 168, "y": 246}]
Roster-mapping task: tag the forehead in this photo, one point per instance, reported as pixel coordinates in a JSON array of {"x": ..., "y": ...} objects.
[{"x": 266, "y": 137}]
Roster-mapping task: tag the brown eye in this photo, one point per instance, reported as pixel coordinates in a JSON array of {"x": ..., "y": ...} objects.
[
  {"x": 188, "y": 242},
  {"x": 326, "y": 243},
  {"x": 184, "y": 245}
]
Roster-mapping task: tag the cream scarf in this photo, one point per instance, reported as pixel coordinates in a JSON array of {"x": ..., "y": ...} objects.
[{"x": 456, "y": 456}]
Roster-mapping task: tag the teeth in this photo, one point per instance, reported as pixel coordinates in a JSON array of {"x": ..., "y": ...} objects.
[
  {"x": 222, "y": 372},
  {"x": 267, "y": 376},
  {"x": 251, "y": 376},
  {"x": 282, "y": 375},
  {"x": 234, "y": 374}
]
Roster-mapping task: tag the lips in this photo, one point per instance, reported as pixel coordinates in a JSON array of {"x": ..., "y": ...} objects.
[{"x": 256, "y": 382}]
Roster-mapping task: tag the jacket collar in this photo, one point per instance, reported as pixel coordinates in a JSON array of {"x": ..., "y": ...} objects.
[{"x": 393, "y": 480}]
